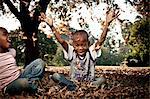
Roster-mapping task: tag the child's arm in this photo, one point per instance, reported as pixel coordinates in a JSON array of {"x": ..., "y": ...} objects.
[
  {"x": 110, "y": 16},
  {"x": 49, "y": 21}
]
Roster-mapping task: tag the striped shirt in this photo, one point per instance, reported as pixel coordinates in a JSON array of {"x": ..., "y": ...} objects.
[
  {"x": 82, "y": 68},
  {"x": 8, "y": 68}
]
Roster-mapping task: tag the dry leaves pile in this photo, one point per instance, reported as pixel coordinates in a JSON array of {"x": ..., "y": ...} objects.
[{"x": 121, "y": 84}]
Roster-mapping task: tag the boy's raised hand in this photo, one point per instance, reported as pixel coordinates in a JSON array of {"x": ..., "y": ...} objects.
[
  {"x": 48, "y": 20},
  {"x": 111, "y": 14}
]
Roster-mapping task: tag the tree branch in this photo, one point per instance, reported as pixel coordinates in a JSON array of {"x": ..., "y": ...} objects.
[
  {"x": 12, "y": 8},
  {"x": 24, "y": 5},
  {"x": 43, "y": 4}
]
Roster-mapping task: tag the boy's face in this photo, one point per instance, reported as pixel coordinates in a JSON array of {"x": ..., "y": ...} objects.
[
  {"x": 4, "y": 40},
  {"x": 80, "y": 44}
]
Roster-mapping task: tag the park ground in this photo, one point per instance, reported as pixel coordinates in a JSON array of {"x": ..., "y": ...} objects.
[{"x": 122, "y": 83}]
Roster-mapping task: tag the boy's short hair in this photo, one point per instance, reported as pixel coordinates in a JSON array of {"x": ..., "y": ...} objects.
[
  {"x": 3, "y": 29},
  {"x": 81, "y": 33}
]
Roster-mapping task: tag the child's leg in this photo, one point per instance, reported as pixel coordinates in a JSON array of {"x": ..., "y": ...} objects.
[
  {"x": 59, "y": 78},
  {"x": 34, "y": 70},
  {"x": 99, "y": 81},
  {"x": 19, "y": 85}
]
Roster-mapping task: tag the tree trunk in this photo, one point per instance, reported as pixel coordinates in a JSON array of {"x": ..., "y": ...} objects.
[
  {"x": 29, "y": 25},
  {"x": 31, "y": 51},
  {"x": 30, "y": 29}
]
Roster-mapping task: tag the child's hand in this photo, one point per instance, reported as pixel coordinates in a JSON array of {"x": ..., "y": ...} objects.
[
  {"x": 48, "y": 20},
  {"x": 111, "y": 14}
]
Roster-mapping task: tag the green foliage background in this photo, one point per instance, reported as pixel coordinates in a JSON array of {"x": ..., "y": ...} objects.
[
  {"x": 108, "y": 58},
  {"x": 139, "y": 40},
  {"x": 51, "y": 52}
]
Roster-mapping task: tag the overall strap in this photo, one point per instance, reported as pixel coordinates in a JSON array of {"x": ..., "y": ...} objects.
[
  {"x": 90, "y": 58},
  {"x": 72, "y": 56}
]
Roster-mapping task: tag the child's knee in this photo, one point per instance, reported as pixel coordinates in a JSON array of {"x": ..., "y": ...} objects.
[
  {"x": 22, "y": 82},
  {"x": 40, "y": 61},
  {"x": 99, "y": 81},
  {"x": 56, "y": 77},
  {"x": 17, "y": 86}
]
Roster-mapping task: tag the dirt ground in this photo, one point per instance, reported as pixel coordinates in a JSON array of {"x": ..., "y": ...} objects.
[{"x": 121, "y": 83}]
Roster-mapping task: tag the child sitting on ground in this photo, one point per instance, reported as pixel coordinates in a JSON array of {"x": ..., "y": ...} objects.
[
  {"x": 12, "y": 79},
  {"x": 81, "y": 55}
]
